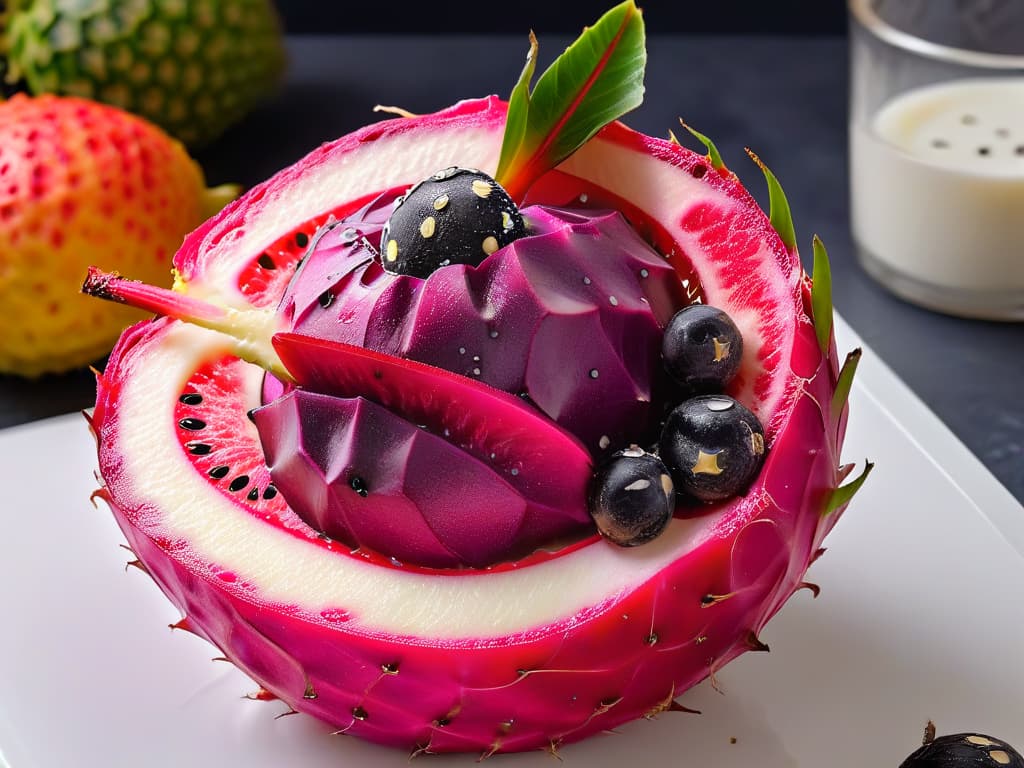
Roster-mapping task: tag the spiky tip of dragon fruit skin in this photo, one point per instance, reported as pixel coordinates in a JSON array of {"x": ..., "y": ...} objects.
[
  {"x": 516, "y": 321},
  {"x": 626, "y": 658}
]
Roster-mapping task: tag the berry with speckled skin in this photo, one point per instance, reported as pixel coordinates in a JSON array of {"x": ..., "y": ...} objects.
[
  {"x": 82, "y": 182},
  {"x": 456, "y": 216},
  {"x": 714, "y": 447},
  {"x": 702, "y": 348},
  {"x": 964, "y": 750},
  {"x": 632, "y": 497}
]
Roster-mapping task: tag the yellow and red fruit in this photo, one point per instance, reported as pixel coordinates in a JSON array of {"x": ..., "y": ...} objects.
[{"x": 81, "y": 182}]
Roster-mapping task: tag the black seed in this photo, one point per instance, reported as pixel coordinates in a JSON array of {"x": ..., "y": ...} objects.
[
  {"x": 326, "y": 299},
  {"x": 359, "y": 486},
  {"x": 359, "y": 713},
  {"x": 698, "y": 170},
  {"x": 250, "y": 414},
  {"x": 266, "y": 262},
  {"x": 253, "y": 494},
  {"x": 270, "y": 492},
  {"x": 218, "y": 472},
  {"x": 301, "y": 239},
  {"x": 191, "y": 398},
  {"x": 239, "y": 483},
  {"x": 390, "y": 668},
  {"x": 198, "y": 449},
  {"x": 192, "y": 425}
]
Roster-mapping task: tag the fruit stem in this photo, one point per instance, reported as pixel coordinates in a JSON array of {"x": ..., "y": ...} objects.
[{"x": 249, "y": 330}]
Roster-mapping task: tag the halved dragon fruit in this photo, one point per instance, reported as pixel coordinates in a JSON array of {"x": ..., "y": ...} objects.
[{"x": 571, "y": 639}]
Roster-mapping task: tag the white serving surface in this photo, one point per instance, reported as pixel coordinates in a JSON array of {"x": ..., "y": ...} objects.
[{"x": 921, "y": 615}]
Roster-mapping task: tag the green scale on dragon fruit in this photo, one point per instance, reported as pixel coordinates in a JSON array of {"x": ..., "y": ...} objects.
[{"x": 570, "y": 317}]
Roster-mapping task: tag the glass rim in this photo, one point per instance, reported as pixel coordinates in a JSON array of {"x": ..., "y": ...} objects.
[{"x": 866, "y": 16}]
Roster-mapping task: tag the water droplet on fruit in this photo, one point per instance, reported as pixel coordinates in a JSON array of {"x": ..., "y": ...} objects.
[
  {"x": 493, "y": 334},
  {"x": 613, "y": 301},
  {"x": 462, "y": 350},
  {"x": 586, "y": 281},
  {"x": 594, "y": 373},
  {"x": 583, "y": 197},
  {"x": 644, "y": 273},
  {"x": 349, "y": 235},
  {"x": 397, "y": 563},
  {"x": 476, "y": 371},
  {"x": 359, "y": 713},
  {"x": 514, "y": 471},
  {"x": 604, "y": 442}
]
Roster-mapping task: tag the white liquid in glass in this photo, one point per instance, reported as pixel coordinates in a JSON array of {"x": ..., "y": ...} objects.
[{"x": 938, "y": 191}]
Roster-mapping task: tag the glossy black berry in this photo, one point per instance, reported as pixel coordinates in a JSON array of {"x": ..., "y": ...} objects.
[
  {"x": 632, "y": 497},
  {"x": 965, "y": 750},
  {"x": 713, "y": 447},
  {"x": 457, "y": 216},
  {"x": 702, "y": 348}
]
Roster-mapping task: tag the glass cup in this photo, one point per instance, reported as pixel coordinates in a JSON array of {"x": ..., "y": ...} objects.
[{"x": 937, "y": 151}]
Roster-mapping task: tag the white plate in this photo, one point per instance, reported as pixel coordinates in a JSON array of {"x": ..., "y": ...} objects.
[{"x": 921, "y": 616}]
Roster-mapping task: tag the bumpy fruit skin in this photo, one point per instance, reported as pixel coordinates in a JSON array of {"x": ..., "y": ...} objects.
[
  {"x": 81, "y": 182},
  {"x": 696, "y": 597},
  {"x": 193, "y": 67}
]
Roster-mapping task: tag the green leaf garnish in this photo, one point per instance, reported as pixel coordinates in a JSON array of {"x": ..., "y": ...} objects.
[
  {"x": 844, "y": 493},
  {"x": 713, "y": 155},
  {"x": 821, "y": 295},
  {"x": 845, "y": 382},
  {"x": 778, "y": 206},
  {"x": 595, "y": 81}
]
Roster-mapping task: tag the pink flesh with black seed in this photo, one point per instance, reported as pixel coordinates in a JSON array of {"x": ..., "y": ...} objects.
[{"x": 528, "y": 655}]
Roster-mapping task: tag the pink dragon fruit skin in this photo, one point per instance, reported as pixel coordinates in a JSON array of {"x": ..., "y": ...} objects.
[
  {"x": 717, "y": 580},
  {"x": 569, "y": 317}
]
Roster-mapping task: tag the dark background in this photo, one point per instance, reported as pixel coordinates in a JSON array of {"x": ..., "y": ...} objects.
[{"x": 792, "y": 17}]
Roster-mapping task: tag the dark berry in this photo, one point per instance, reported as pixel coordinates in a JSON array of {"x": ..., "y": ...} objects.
[
  {"x": 713, "y": 446},
  {"x": 964, "y": 750},
  {"x": 632, "y": 497},
  {"x": 457, "y": 216},
  {"x": 702, "y": 348}
]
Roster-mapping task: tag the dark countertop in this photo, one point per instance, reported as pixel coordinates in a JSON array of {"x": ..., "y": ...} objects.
[{"x": 783, "y": 97}]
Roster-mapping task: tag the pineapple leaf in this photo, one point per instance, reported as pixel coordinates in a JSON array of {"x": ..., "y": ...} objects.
[
  {"x": 844, "y": 493},
  {"x": 778, "y": 210},
  {"x": 845, "y": 382},
  {"x": 821, "y": 295},
  {"x": 595, "y": 81},
  {"x": 713, "y": 155}
]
